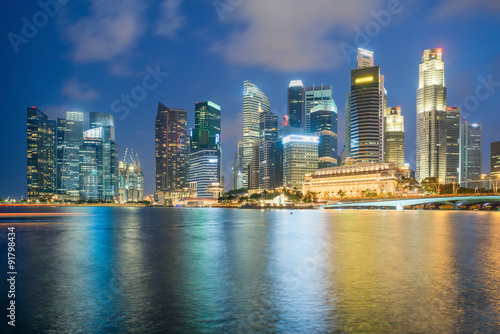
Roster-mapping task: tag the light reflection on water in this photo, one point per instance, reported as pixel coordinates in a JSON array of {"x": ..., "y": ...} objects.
[{"x": 214, "y": 270}]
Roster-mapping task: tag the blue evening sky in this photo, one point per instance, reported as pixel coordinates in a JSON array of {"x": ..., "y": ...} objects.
[{"x": 86, "y": 55}]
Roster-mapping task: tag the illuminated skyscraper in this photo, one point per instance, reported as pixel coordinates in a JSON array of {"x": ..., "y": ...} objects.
[
  {"x": 366, "y": 110},
  {"x": 300, "y": 157},
  {"x": 296, "y": 107},
  {"x": 268, "y": 136},
  {"x": 254, "y": 100},
  {"x": 431, "y": 117},
  {"x": 452, "y": 144},
  {"x": 41, "y": 149},
  {"x": 471, "y": 138},
  {"x": 171, "y": 149},
  {"x": 394, "y": 136},
  {"x": 324, "y": 125},
  {"x": 69, "y": 140},
  {"x": 495, "y": 159}
]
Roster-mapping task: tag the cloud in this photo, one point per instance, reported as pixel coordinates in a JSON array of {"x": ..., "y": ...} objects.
[
  {"x": 171, "y": 19},
  {"x": 452, "y": 8},
  {"x": 123, "y": 69},
  {"x": 293, "y": 35},
  {"x": 79, "y": 91},
  {"x": 111, "y": 29}
]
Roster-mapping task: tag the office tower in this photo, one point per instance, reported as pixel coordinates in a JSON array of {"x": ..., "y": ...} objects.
[
  {"x": 367, "y": 111},
  {"x": 394, "y": 136},
  {"x": 296, "y": 107},
  {"x": 253, "y": 171},
  {"x": 300, "y": 157},
  {"x": 431, "y": 117},
  {"x": 91, "y": 182},
  {"x": 254, "y": 101},
  {"x": 104, "y": 124},
  {"x": 237, "y": 168},
  {"x": 471, "y": 138},
  {"x": 268, "y": 136},
  {"x": 69, "y": 140},
  {"x": 347, "y": 152},
  {"x": 452, "y": 145},
  {"x": 205, "y": 155},
  {"x": 41, "y": 153},
  {"x": 171, "y": 146},
  {"x": 315, "y": 95},
  {"x": 495, "y": 159},
  {"x": 324, "y": 125},
  {"x": 130, "y": 180},
  {"x": 276, "y": 164},
  {"x": 365, "y": 58}
]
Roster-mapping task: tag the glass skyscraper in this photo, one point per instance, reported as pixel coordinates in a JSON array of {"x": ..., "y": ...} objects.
[
  {"x": 471, "y": 138},
  {"x": 452, "y": 144},
  {"x": 300, "y": 157},
  {"x": 313, "y": 96},
  {"x": 324, "y": 125},
  {"x": 495, "y": 159},
  {"x": 171, "y": 149},
  {"x": 268, "y": 136},
  {"x": 41, "y": 154},
  {"x": 431, "y": 117},
  {"x": 394, "y": 136},
  {"x": 254, "y": 101},
  {"x": 296, "y": 107}
]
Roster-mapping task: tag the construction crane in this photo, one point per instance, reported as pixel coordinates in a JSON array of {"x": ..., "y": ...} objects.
[{"x": 125, "y": 155}]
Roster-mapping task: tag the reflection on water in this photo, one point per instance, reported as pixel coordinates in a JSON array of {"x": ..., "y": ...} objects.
[{"x": 214, "y": 270}]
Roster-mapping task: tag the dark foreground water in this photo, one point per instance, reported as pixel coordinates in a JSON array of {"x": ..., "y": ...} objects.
[{"x": 154, "y": 270}]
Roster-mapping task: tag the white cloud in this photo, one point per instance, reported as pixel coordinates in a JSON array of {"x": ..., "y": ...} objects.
[
  {"x": 79, "y": 91},
  {"x": 111, "y": 29},
  {"x": 293, "y": 35},
  {"x": 452, "y": 8},
  {"x": 171, "y": 19}
]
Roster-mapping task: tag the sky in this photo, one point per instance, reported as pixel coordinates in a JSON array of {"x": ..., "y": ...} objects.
[{"x": 123, "y": 57}]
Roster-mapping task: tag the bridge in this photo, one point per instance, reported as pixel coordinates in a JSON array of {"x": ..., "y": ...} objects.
[{"x": 456, "y": 203}]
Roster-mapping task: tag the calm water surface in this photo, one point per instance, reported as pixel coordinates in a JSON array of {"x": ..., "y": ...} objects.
[{"x": 154, "y": 270}]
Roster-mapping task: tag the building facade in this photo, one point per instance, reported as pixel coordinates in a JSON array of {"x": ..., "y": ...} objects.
[
  {"x": 431, "y": 117},
  {"x": 171, "y": 149},
  {"x": 324, "y": 125},
  {"x": 130, "y": 181},
  {"x": 41, "y": 155},
  {"x": 353, "y": 180},
  {"x": 452, "y": 144},
  {"x": 204, "y": 170},
  {"x": 316, "y": 95},
  {"x": 394, "y": 136},
  {"x": 254, "y": 101},
  {"x": 300, "y": 157},
  {"x": 471, "y": 138},
  {"x": 268, "y": 136},
  {"x": 495, "y": 159},
  {"x": 296, "y": 106}
]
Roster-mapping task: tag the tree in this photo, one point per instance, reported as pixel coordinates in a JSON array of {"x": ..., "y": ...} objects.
[
  {"x": 341, "y": 193},
  {"x": 430, "y": 185}
]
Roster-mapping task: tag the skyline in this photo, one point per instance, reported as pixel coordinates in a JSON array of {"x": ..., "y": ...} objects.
[{"x": 81, "y": 87}]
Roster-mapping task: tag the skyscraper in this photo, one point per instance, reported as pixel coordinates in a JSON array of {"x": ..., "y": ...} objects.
[
  {"x": 431, "y": 117},
  {"x": 324, "y": 125},
  {"x": 268, "y": 136},
  {"x": 316, "y": 95},
  {"x": 205, "y": 154},
  {"x": 367, "y": 110},
  {"x": 297, "y": 107},
  {"x": 471, "y": 153},
  {"x": 452, "y": 144},
  {"x": 254, "y": 101},
  {"x": 495, "y": 159},
  {"x": 394, "y": 136},
  {"x": 276, "y": 165},
  {"x": 171, "y": 149},
  {"x": 347, "y": 152},
  {"x": 69, "y": 140},
  {"x": 41, "y": 153},
  {"x": 300, "y": 157}
]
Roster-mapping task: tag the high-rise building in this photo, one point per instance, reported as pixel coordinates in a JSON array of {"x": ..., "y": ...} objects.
[
  {"x": 130, "y": 181},
  {"x": 452, "y": 144},
  {"x": 296, "y": 107},
  {"x": 495, "y": 159},
  {"x": 205, "y": 154},
  {"x": 237, "y": 168},
  {"x": 316, "y": 95},
  {"x": 324, "y": 125},
  {"x": 347, "y": 152},
  {"x": 254, "y": 170},
  {"x": 41, "y": 149},
  {"x": 431, "y": 117},
  {"x": 365, "y": 58},
  {"x": 254, "y": 101},
  {"x": 91, "y": 182},
  {"x": 394, "y": 136},
  {"x": 300, "y": 157},
  {"x": 471, "y": 138},
  {"x": 366, "y": 110},
  {"x": 69, "y": 140},
  {"x": 276, "y": 164},
  {"x": 268, "y": 136},
  {"x": 171, "y": 149}
]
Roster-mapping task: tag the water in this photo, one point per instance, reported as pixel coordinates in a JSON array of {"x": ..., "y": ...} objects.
[{"x": 147, "y": 270}]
